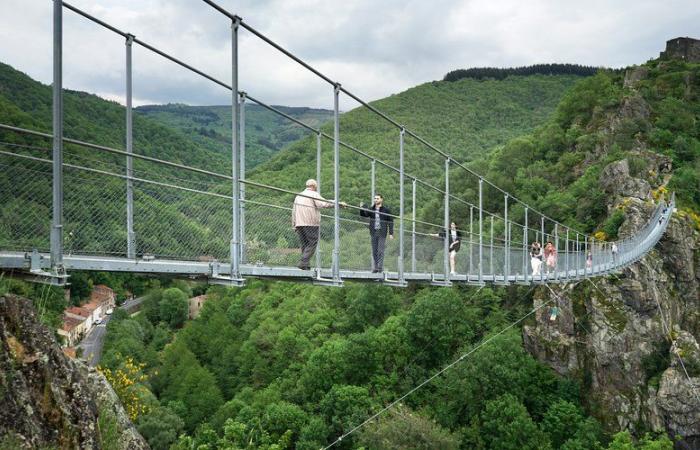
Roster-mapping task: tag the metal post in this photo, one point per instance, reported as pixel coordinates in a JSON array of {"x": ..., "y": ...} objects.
[
  {"x": 401, "y": 201},
  {"x": 373, "y": 181},
  {"x": 471, "y": 241},
  {"x": 567, "y": 253},
  {"x": 506, "y": 262},
  {"x": 235, "y": 157},
  {"x": 578, "y": 252},
  {"x": 491, "y": 252},
  {"x": 447, "y": 220},
  {"x": 525, "y": 253},
  {"x": 556, "y": 248},
  {"x": 585, "y": 252},
  {"x": 130, "y": 236},
  {"x": 542, "y": 245},
  {"x": 336, "y": 183},
  {"x": 241, "y": 138},
  {"x": 413, "y": 229},
  {"x": 318, "y": 187},
  {"x": 57, "y": 187},
  {"x": 481, "y": 231}
]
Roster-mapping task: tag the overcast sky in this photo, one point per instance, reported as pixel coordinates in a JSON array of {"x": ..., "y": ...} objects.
[{"x": 373, "y": 47}]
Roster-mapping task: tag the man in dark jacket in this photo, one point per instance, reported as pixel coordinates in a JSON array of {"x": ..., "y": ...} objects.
[{"x": 380, "y": 221}]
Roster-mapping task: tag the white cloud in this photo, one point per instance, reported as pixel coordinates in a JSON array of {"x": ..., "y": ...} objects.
[{"x": 373, "y": 48}]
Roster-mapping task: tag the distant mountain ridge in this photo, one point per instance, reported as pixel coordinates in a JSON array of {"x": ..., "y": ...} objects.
[{"x": 210, "y": 126}]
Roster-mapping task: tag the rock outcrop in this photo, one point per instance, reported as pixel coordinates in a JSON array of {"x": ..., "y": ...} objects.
[
  {"x": 48, "y": 400},
  {"x": 624, "y": 336}
]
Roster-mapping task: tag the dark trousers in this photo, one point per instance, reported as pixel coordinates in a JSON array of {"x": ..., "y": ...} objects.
[
  {"x": 378, "y": 242},
  {"x": 308, "y": 237}
]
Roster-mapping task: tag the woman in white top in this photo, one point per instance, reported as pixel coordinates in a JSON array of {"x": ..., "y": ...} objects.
[{"x": 454, "y": 242}]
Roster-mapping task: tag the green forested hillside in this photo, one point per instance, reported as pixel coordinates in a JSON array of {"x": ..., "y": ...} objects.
[
  {"x": 465, "y": 118},
  {"x": 558, "y": 168},
  {"x": 28, "y": 103},
  {"x": 210, "y": 126}
]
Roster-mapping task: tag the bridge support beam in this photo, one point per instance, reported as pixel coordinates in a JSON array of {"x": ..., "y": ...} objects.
[
  {"x": 413, "y": 228},
  {"x": 446, "y": 245},
  {"x": 491, "y": 272},
  {"x": 506, "y": 241},
  {"x": 556, "y": 246},
  {"x": 585, "y": 252},
  {"x": 402, "y": 208},
  {"x": 241, "y": 139},
  {"x": 543, "y": 243},
  {"x": 567, "y": 252},
  {"x": 130, "y": 236},
  {"x": 235, "y": 160},
  {"x": 57, "y": 184},
  {"x": 481, "y": 231},
  {"x": 470, "y": 270},
  {"x": 336, "y": 184},
  {"x": 318, "y": 187},
  {"x": 526, "y": 260},
  {"x": 373, "y": 180}
]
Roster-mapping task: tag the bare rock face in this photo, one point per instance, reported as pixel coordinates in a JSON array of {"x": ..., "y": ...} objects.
[
  {"x": 622, "y": 335},
  {"x": 48, "y": 400},
  {"x": 616, "y": 178},
  {"x": 634, "y": 75}
]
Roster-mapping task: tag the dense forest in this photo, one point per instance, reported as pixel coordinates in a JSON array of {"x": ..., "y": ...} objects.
[
  {"x": 480, "y": 73},
  {"x": 280, "y": 365}
]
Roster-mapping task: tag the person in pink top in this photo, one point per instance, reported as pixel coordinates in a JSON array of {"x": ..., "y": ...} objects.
[{"x": 550, "y": 256}]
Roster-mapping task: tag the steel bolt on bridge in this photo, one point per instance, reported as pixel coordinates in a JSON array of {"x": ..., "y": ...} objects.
[{"x": 227, "y": 227}]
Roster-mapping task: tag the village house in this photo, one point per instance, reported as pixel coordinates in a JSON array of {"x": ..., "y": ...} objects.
[
  {"x": 79, "y": 320},
  {"x": 72, "y": 330}
]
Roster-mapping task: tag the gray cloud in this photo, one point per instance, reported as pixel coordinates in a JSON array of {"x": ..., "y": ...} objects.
[{"x": 373, "y": 48}]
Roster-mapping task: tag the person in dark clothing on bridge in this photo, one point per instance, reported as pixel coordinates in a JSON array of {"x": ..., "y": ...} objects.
[{"x": 380, "y": 222}]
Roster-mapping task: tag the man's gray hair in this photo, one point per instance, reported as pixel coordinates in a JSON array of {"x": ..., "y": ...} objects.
[{"x": 311, "y": 182}]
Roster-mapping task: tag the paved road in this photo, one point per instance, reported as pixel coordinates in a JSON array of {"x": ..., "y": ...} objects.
[{"x": 92, "y": 344}]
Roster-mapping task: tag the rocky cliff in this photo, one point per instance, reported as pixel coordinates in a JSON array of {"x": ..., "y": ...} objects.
[
  {"x": 48, "y": 400},
  {"x": 631, "y": 338}
]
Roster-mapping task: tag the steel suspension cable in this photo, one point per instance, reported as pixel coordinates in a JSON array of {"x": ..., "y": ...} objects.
[{"x": 437, "y": 374}]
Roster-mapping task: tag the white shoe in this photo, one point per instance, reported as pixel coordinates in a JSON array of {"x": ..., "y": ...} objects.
[{"x": 453, "y": 273}]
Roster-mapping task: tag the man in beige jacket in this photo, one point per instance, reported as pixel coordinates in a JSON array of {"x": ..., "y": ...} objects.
[{"x": 306, "y": 220}]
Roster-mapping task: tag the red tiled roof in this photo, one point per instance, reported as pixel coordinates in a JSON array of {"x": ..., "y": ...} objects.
[
  {"x": 70, "y": 322},
  {"x": 79, "y": 311}
]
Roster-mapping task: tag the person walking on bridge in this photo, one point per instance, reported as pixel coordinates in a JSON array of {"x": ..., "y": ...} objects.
[
  {"x": 306, "y": 220},
  {"x": 380, "y": 221},
  {"x": 454, "y": 243}
]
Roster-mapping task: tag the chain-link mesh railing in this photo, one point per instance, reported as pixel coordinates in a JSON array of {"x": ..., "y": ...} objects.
[{"x": 26, "y": 202}]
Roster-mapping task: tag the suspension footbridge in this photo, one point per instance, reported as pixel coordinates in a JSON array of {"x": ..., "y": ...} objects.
[{"x": 175, "y": 218}]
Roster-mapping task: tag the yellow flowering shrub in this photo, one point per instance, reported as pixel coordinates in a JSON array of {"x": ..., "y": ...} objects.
[
  {"x": 126, "y": 382},
  {"x": 660, "y": 192}
]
